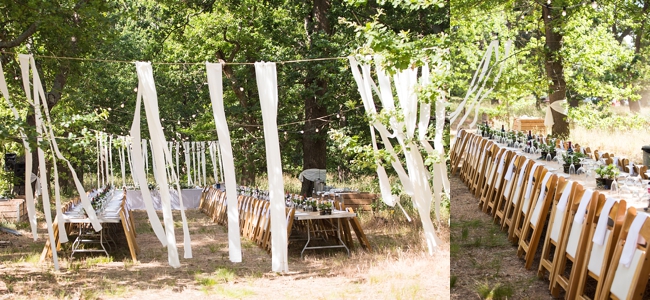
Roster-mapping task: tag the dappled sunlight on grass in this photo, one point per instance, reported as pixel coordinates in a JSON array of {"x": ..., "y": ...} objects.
[{"x": 397, "y": 249}]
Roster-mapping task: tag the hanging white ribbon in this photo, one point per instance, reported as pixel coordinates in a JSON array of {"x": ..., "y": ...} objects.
[
  {"x": 416, "y": 182},
  {"x": 29, "y": 194},
  {"x": 178, "y": 166},
  {"x": 107, "y": 170},
  {"x": 205, "y": 181},
  {"x": 25, "y": 64},
  {"x": 150, "y": 99},
  {"x": 99, "y": 159},
  {"x": 557, "y": 106},
  {"x": 213, "y": 159},
  {"x": 483, "y": 66},
  {"x": 267, "y": 84},
  {"x": 111, "y": 159},
  {"x": 129, "y": 144},
  {"x": 138, "y": 171},
  {"x": 186, "y": 151},
  {"x": 214, "y": 73}
]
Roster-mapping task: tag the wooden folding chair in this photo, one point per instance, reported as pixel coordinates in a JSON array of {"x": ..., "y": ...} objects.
[
  {"x": 491, "y": 178},
  {"x": 471, "y": 163},
  {"x": 629, "y": 282},
  {"x": 582, "y": 210},
  {"x": 600, "y": 246},
  {"x": 458, "y": 150},
  {"x": 532, "y": 184},
  {"x": 554, "y": 229},
  {"x": 641, "y": 170},
  {"x": 484, "y": 168},
  {"x": 535, "y": 221},
  {"x": 499, "y": 183},
  {"x": 464, "y": 159},
  {"x": 623, "y": 164},
  {"x": 504, "y": 197},
  {"x": 512, "y": 209}
]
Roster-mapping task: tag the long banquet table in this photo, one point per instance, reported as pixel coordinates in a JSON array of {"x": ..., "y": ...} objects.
[{"x": 589, "y": 182}]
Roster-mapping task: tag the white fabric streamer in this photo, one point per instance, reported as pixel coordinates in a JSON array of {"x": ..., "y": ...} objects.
[
  {"x": 29, "y": 194},
  {"x": 267, "y": 85},
  {"x": 150, "y": 99},
  {"x": 214, "y": 73},
  {"x": 186, "y": 151},
  {"x": 205, "y": 181},
  {"x": 416, "y": 183},
  {"x": 25, "y": 60},
  {"x": 139, "y": 174},
  {"x": 557, "y": 106}
]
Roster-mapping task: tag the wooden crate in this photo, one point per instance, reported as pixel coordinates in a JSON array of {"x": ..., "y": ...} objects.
[
  {"x": 358, "y": 201},
  {"x": 536, "y": 125},
  {"x": 13, "y": 210}
]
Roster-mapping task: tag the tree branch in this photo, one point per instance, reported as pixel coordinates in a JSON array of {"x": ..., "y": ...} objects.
[
  {"x": 21, "y": 38},
  {"x": 237, "y": 45}
]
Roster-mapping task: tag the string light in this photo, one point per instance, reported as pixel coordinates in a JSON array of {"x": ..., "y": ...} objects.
[
  {"x": 122, "y": 105},
  {"x": 316, "y": 129},
  {"x": 548, "y": 2},
  {"x": 564, "y": 11},
  {"x": 594, "y": 4}
]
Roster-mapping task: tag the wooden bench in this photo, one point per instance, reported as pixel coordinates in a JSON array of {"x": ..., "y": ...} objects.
[
  {"x": 13, "y": 210},
  {"x": 358, "y": 201},
  {"x": 536, "y": 125}
]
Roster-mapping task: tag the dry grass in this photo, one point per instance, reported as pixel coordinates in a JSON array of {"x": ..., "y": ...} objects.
[
  {"x": 620, "y": 143},
  {"x": 398, "y": 268}
]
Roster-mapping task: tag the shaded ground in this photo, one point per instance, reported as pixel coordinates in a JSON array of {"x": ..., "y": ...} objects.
[
  {"x": 482, "y": 258},
  {"x": 398, "y": 269}
]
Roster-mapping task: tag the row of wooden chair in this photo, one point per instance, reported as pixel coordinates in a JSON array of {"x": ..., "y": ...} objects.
[
  {"x": 254, "y": 215},
  {"x": 585, "y": 231}
]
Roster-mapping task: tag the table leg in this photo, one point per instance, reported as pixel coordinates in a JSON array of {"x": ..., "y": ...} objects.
[
  {"x": 338, "y": 235},
  {"x": 308, "y": 238}
]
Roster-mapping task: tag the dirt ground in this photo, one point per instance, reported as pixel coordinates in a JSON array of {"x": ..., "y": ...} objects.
[
  {"x": 482, "y": 258},
  {"x": 399, "y": 268}
]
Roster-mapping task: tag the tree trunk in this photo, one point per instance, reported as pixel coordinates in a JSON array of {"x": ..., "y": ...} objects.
[
  {"x": 635, "y": 106},
  {"x": 555, "y": 70},
  {"x": 314, "y": 139}
]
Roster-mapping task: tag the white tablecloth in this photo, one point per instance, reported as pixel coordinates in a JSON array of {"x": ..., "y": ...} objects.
[{"x": 191, "y": 199}]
